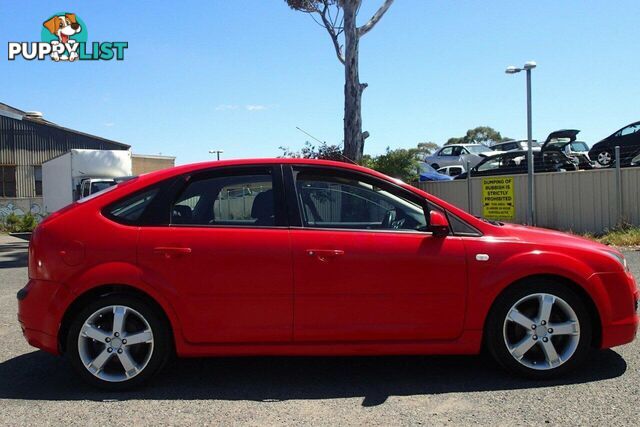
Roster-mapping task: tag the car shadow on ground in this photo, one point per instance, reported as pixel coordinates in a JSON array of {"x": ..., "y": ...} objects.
[
  {"x": 40, "y": 376},
  {"x": 14, "y": 255}
]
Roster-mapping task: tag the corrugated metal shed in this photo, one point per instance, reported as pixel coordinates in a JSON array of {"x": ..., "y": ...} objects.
[{"x": 27, "y": 142}]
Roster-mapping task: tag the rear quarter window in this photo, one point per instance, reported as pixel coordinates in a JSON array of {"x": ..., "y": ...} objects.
[{"x": 129, "y": 210}]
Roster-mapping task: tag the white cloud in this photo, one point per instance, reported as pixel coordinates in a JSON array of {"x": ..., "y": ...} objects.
[
  {"x": 248, "y": 107},
  {"x": 226, "y": 107}
]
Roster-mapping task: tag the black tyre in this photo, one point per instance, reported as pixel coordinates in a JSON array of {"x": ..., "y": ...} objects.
[
  {"x": 539, "y": 329},
  {"x": 435, "y": 166},
  {"x": 118, "y": 342}
]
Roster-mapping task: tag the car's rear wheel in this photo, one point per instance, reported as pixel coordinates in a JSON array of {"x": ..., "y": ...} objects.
[
  {"x": 118, "y": 342},
  {"x": 435, "y": 166},
  {"x": 605, "y": 158},
  {"x": 539, "y": 329}
]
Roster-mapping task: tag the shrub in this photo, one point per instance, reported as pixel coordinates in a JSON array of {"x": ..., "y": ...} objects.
[
  {"x": 28, "y": 223},
  {"x": 12, "y": 223}
]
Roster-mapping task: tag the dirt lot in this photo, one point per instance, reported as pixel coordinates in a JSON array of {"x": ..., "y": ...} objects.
[{"x": 36, "y": 388}]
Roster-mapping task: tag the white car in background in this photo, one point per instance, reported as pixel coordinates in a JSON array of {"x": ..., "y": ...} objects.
[
  {"x": 459, "y": 155},
  {"x": 451, "y": 170}
]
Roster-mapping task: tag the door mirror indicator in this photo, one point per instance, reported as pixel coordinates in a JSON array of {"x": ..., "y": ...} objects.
[{"x": 438, "y": 223}]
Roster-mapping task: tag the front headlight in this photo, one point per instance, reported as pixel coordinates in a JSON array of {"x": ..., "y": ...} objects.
[{"x": 620, "y": 258}]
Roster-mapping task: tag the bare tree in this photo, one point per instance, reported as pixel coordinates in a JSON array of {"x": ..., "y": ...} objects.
[{"x": 339, "y": 18}]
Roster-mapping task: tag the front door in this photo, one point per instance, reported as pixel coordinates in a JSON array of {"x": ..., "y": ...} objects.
[
  {"x": 227, "y": 257},
  {"x": 365, "y": 269}
]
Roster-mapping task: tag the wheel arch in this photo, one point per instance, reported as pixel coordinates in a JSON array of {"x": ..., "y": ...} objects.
[
  {"x": 109, "y": 289},
  {"x": 583, "y": 294}
]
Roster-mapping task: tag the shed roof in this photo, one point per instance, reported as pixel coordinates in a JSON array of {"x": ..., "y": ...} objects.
[{"x": 17, "y": 114}]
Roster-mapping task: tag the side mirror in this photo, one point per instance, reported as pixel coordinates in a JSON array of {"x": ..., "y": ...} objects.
[{"x": 438, "y": 223}]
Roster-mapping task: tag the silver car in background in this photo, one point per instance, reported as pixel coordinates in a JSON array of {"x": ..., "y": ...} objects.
[
  {"x": 520, "y": 144},
  {"x": 458, "y": 155}
]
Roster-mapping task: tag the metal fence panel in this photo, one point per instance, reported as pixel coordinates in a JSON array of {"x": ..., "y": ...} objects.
[{"x": 581, "y": 201}]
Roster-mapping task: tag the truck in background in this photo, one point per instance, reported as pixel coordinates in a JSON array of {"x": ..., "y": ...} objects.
[{"x": 80, "y": 173}]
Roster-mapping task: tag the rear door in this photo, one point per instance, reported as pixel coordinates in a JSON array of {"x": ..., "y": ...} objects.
[{"x": 225, "y": 255}]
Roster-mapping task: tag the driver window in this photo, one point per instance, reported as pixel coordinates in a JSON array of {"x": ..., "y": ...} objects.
[
  {"x": 629, "y": 130},
  {"x": 446, "y": 151},
  {"x": 85, "y": 189},
  {"x": 349, "y": 203}
]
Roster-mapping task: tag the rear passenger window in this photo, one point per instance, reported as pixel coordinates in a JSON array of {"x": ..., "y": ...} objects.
[
  {"x": 130, "y": 209},
  {"x": 240, "y": 200}
]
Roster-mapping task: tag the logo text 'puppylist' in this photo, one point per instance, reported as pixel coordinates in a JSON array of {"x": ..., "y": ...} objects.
[{"x": 64, "y": 38}]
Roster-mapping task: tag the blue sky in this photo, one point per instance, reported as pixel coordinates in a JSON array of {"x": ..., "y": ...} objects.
[{"x": 241, "y": 75}]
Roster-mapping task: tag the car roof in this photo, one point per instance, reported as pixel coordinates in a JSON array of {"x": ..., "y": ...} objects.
[{"x": 213, "y": 164}]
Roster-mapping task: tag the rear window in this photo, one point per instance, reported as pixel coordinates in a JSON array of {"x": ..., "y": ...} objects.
[
  {"x": 477, "y": 149},
  {"x": 579, "y": 146},
  {"x": 130, "y": 209}
]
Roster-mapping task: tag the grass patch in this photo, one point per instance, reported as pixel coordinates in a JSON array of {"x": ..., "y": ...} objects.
[{"x": 625, "y": 235}]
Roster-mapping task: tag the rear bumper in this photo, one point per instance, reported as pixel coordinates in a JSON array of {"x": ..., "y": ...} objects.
[
  {"x": 40, "y": 308},
  {"x": 620, "y": 321}
]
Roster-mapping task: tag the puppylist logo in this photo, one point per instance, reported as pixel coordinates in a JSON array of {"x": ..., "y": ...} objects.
[{"x": 64, "y": 38}]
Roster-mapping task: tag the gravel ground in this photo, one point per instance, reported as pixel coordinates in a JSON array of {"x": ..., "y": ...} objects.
[{"x": 36, "y": 388}]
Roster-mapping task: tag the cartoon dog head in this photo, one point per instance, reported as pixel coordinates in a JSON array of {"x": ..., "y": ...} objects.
[{"x": 63, "y": 26}]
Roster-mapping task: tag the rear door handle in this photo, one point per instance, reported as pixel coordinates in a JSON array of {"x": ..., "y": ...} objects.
[
  {"x": 170, "y": 251},
  {"x": 325, "y": 254}
]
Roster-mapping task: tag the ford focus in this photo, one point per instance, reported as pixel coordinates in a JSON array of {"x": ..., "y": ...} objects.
[{"x": 304, "y": 257}]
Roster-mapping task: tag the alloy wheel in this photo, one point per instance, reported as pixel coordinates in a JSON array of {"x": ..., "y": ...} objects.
[
  {"x": 115, "y": 343},
  {"x": 541, "y": 331},
  {"x": 605, "y": 158}
]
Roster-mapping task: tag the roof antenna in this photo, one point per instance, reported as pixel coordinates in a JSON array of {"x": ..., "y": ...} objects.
[{"x": 345, "y": 158}]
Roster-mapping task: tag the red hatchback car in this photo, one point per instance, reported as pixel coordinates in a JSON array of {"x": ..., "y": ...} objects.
[{"x": 301, "y": 257}]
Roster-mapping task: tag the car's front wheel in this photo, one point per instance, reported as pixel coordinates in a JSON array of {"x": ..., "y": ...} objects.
[
  {"x": 539, "y": 329},
  {"x": 117, "y": 342}
]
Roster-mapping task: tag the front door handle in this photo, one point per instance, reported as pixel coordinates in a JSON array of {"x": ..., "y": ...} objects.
[
  {"x": 171, "y": 251},
  {"x": 325, "y": 254}
]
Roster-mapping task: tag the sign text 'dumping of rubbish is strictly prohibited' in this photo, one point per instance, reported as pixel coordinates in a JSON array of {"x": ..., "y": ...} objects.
[{"x": 498, "y": 201}]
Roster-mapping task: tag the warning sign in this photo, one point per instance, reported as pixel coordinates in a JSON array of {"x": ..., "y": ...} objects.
[{"x": 498, "y": 201}]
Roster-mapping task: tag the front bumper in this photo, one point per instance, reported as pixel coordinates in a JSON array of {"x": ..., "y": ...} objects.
[
  {"x": 40, "y": 310},
  {"x": 620, "y": 319}
]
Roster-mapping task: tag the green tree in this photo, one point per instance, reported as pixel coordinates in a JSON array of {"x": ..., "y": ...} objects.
[
  {"x": 479, "y": 135},
  {"x": 426, "y": 148},
  {"x": 322, "y": 151},
  {"x": 400, "y": 163},
  {"x": 339, "y": 18}
]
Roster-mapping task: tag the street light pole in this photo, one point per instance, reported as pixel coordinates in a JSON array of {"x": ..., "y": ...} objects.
[
  {"x": 530, "y": 164},
  {"x": 217, "y": 153},
  {"x": 531, "y": 220}
]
